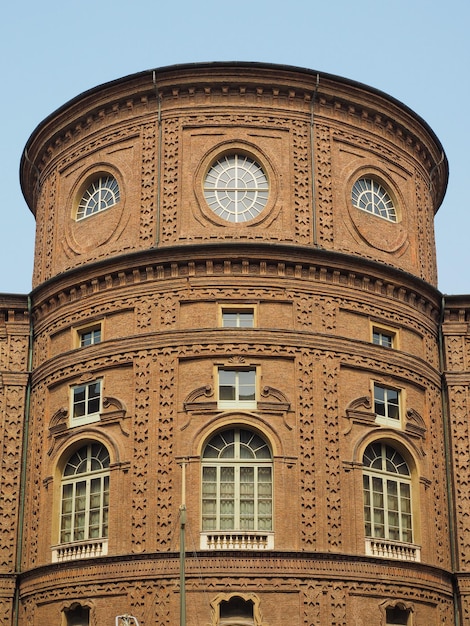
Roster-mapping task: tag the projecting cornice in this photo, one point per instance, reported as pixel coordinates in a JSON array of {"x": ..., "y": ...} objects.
[
  {"x": 141, "y": 98},
  {"x": 246, "y": 262}
]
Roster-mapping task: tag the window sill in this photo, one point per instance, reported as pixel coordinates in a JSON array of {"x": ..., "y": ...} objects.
[
  {"x": 80, "y": 550},
  {"x": 237, "y": 540},
  {"x": 386, "y": 549},
  {"x": 237, "y": 404}
]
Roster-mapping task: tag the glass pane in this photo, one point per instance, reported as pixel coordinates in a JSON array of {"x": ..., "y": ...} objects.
[
  {"x": 79, "y": 394},
  {"x": 226, "y": 392}
]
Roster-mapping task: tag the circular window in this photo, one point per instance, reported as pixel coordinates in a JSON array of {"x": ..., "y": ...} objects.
[
  {"x": 369, "y": 195},
  {"x": 101, "y": 194},
  {"x": 236, "y": 188}
]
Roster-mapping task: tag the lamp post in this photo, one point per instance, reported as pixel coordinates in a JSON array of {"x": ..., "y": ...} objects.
[{"x": 182, "y": 545}]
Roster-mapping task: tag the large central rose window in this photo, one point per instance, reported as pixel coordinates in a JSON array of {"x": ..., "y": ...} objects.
[{"x": 236, "y": 188}]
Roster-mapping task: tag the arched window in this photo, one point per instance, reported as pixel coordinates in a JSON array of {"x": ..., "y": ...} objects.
[
  {"x": 76, "y": 616},
  {"x": 387, "y": 494},
  {"x": 397, "y": 616},
  {"x": 236, "y": 482},
  {"x": 370, "y": 196},
  {"x": 102, "y": 193},
  {"x": 85, "y": 495},
  {"x": 236, "y": 611}
]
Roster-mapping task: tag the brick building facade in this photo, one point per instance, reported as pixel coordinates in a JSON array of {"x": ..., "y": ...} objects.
[{"x": 234, "y": 306}]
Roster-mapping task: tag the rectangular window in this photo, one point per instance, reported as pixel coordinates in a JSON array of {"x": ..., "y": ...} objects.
[
  {"x": 387, "y": 404},
  {"x": 238, "y": 318},
  {"x": 387, "y": 509},
  {"x": 237, "y": 388},
  {"x": 237, "y": 498},
  {"x": 383, "y": 336},
  {"x": 88, "y": 335},
  {"x": 86, "y": 403}
]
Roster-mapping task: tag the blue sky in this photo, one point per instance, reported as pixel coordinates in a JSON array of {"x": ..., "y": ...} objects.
[{"x": 417, "y": 51}]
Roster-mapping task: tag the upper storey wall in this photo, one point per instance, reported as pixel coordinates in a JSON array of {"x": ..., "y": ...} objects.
[{"x": 159, "y": 133}]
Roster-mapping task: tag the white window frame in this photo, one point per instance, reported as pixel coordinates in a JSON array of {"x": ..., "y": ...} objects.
[
  {"x": 371, "y": 196},
  {"x": 86, "y": 470},
  {"x": 237, "y": 385},
  {"x": 392, "y": 410},
  {"x": 388, "y": 503},
  {"x": 236, "y": 187},
  {"x": 238, "y": 312},
  {"x": 92, "y": 403},
  {"x": 227, "y": 457}
]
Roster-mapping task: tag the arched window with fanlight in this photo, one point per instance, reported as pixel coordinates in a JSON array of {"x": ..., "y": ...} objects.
[
  {"x": 84, "y": 503},
  {"x": 101, "y": 193},
  {"x": 237, "y": 490},
  {"x": 388, "y": 514}
]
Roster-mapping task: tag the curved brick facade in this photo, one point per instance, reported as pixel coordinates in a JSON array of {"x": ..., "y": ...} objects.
[{"x": 156, "y": 273}]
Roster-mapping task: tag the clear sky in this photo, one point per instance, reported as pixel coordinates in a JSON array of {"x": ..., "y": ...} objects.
[{"x": 417, "y": 51}]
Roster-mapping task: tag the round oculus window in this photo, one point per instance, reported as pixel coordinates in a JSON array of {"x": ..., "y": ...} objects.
[
  {"x": 236, "y": 188},
  {"x": 101, "y": 194},
  {"x": 370, "y": 196}
]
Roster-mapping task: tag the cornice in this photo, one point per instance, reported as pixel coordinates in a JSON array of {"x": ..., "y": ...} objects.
[
  {"x": 293, "y": 568},
  {"x": 253, "y": 86},
  {"x": 207, "y": 344},
  {"x": 244, "y": 262}
]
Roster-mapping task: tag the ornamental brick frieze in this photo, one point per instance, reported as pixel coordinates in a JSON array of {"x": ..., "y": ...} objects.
[
  {"x": 36, "y": 446},
  {"x": 166, "y": 496},
  {"x": 92, "y": 139},
  {"x": 307, "y": 445},
  {"x": 427, "y": 269},
  {"x": 324, "y": 185},
  {"x": 440, "y": 538},
  {"x": 11, "y": 448},
  {"x": 140, "y": 465},
  {"x": 459, "y": 407},
  {"x": 254, "y": 268},
  {"x": 288, "y": 345},
  {"x": 302, "y": 195},
  {"x": 396, "y": 145},
  {"x": 148, "y": 186},
  {"x": 43, "y": 255},
  {"x": 392, "y": 132},
  {"x": 328, "y": 443}
]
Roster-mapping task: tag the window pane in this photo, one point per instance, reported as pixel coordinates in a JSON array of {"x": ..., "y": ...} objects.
[
  {"x": 84, "y": 501},
  {"x": 237, "y": 493},
  {"x": 227, "y": 392}
]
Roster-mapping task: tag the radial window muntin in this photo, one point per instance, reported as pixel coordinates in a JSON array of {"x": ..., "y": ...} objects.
[
  {"x": 371, "y": 196},
  {"x": 236, "y": 188},
  {"x": 101, "y": 194}
]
